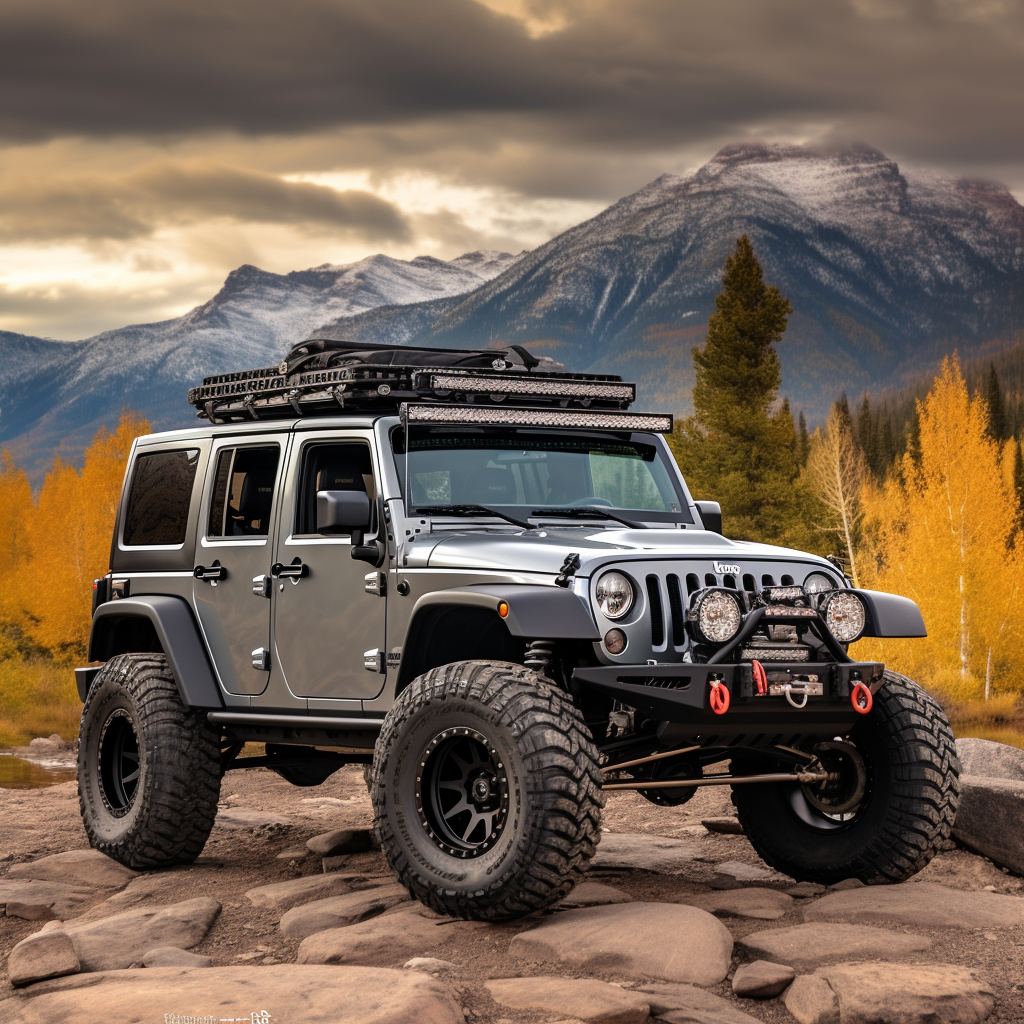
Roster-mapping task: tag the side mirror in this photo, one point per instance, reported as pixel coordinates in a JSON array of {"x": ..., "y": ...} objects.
[
  {"x": 710, "y": 515},
  {"x": 343, "y": 511}
]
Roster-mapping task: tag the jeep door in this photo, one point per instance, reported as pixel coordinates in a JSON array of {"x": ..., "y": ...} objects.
[
  {"x": 233, "y": 554},
  {"x": 324, "y": 617}
]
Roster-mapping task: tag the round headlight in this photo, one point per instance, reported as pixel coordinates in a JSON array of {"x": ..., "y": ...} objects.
[
  {"x": 614, "y": 595},
  {"x": 844, "y": 616},
  {"x": 718, "y": 616},
  {"x": 818, "y": 583}
]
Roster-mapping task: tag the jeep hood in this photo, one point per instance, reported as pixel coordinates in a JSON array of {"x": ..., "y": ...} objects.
[{"x": 544, "y": 551}]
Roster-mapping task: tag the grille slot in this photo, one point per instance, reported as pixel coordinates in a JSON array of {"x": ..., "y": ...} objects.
[
  {"x": 675, "y": 607},
  {"x": 749, "y": 583},
  {"x": 657, "y": 611}
]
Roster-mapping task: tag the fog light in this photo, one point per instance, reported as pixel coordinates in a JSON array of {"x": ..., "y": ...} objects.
[
  {"x": 844, "y": 616},
  {"x": 716, "y": 616},
  {"x": 615, "y": 641}
]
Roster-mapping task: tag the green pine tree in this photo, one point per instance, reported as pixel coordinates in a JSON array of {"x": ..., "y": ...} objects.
[
  {"x": 803, "y": 441},
  {"x": 734, "y": 449},
  {"x": 996, "y": 406},
  {"x": 867, "y": 437}
]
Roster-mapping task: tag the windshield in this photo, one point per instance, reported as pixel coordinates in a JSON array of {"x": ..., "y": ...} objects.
[{"x": 536, "y": 470}]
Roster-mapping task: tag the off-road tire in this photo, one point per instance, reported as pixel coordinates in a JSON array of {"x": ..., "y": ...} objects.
[
  {"x": 168, "y": 819},
  {"x": 908, "y": 813},
  {"x": 550, "y": 762}
]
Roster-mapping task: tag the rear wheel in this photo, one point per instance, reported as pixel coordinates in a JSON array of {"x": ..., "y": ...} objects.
[
  {"x": 148, "y": 768},
  {"x": 486, "y": 791},
  {"x": 887, "y": 808}
]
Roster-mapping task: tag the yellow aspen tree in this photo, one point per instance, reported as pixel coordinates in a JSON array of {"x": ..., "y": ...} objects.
[
  {"x": 836, "y": 470},
  {"x": 15, "y": 513},
  {"x": 942, "y": 532}
]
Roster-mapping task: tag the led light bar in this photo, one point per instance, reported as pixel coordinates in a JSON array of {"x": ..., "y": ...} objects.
[
  {"x": 497, "y": 416},
  {"x": 512, "y": 385},
  {"x": 775, "y": 654}
]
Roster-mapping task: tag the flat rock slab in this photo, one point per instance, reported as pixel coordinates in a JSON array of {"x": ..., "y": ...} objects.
[
  {"x": 761, "y": 980},
  {"x": 734, "y": 874},
  {"x": 989, "y": 819},
  {"x": 122, "y": 940},
  {"x": 635, "y": 852},
  {"x": 341, "y": 841},
  {"x": 285, "y": 895},
  {"x": 686, "y": 1004},
  {"x": 76, "y": 867},
  {"x": 295, "y": 994},
  {"x": 764, "y": 904},
  {"x": 394, "y": 938},
  {"x": 808, "y": 945},
  {"x": 62, "y": 900},
  {"x": 806, "y": 890},
  {"x": 874, "y": 993},
  {"x": 153, "y": 889},
  {"x": 723, "y": 826},
  {"x": 659, "y": 940},
  {"x": 596, "y": 1002},
  {"x": 341, "y": 911},
  {"x": 246, "y": 817},
  {"x": 919, "y": 904},
  {"x": 988, "y": 758},
  {"x": 594, "y": 894},
  {"x": 810, "y": 1000},
  {"x": 47, "y": 954},
  {"x": 171, "y": 956}
]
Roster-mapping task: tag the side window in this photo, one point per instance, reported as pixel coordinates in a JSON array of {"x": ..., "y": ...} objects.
[
  {"x": 332, "y": 467},
  {"x": 159, "y": 499},
  {"x": 243, "y": 492}
]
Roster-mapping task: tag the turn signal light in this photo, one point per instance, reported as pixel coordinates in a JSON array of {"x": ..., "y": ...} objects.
[{"x": 503, "y": 609}]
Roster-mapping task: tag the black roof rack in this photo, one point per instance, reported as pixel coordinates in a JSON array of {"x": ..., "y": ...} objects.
[{"x": 324, "y": 377}]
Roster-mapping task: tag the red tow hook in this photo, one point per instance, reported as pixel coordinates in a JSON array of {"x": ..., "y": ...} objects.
[
  {"x": 719, "y": 697},
  {"x": 861, "y": 699},
  {"x": 760, "y": 678}
]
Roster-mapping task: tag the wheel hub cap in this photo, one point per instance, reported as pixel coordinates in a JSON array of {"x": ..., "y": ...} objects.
[
  {"x": 462, "y": 792},
  {"x": 119, "y": 763}
]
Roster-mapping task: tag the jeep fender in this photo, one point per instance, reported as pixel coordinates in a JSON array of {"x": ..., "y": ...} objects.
[
  {"x": 891, "y": 616},
  {"x": 176, "y": 631}
]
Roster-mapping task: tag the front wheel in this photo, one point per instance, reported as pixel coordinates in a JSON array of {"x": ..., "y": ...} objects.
[
  {"x": 486, "y": 791},
  {"x": 889, "y": 804},
  {"x": 148, "y": 767}
]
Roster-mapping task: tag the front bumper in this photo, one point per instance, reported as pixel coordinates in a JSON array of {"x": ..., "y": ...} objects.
[{"x": 680, "y": 693}]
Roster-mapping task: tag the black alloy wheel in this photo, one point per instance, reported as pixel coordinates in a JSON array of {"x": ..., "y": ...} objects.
[
  {"x": 843, "y": 796},
  {"x": 119, "y": 762}
]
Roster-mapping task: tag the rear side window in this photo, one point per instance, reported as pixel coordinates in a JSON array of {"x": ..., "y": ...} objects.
[
  {"x": 160, "y": 496},
  {"x": 243, "y": 492}
]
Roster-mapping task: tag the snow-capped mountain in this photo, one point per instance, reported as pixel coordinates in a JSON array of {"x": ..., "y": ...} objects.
[
  {"x": 885, "y": 270},
  {"x": 62, "y": 391}
]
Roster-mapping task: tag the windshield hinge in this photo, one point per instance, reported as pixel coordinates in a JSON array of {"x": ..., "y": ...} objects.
[{"x": 568, "y": 570}]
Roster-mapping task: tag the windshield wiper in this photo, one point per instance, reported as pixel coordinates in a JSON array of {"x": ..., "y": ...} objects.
[
  {"x": 473, "y": 510},
  {"x": 587, "y": 512}
]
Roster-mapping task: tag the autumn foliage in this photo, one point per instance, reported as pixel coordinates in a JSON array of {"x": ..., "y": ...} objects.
[{"x": 51, "y": 549}]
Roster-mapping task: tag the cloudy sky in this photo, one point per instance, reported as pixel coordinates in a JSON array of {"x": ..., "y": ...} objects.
[{"x": 148, "y": 148}]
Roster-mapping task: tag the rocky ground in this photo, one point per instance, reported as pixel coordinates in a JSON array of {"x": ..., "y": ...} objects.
[{"x": 679, "y": 922}]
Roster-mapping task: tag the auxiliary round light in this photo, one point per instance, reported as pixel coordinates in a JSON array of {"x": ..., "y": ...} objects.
[
  {"x": 615, "y": 641},
  {"x": 718, "y": 616},
  {"x": 844, "y": 616},
  {"x": 819, "y": 583},
  {"x": 614, "y": 595}
]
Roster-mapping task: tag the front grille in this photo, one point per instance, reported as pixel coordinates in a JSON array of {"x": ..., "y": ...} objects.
[{"x": 675, "y": 607}]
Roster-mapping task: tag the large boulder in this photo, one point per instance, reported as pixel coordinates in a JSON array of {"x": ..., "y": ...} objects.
[
  {"x": 124, "y": 939},
  {"x": 660, "y": 940},
  {"x": 808, "y": 945},
  {"x": 990, "y": 819},
  {"x": 47, "y": 954},
  {"x": 296, "y": 994},
  {"x": 920, "y": 905},
  {"x": 595, "y": 1002},
  {"x": 76, "y": 867},
  {"x": 993, "y": 760},
  {"x": 340, "y": 911}
]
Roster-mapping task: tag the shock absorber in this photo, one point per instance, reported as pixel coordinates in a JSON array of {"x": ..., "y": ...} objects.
[{"x": 539, "y": 655}]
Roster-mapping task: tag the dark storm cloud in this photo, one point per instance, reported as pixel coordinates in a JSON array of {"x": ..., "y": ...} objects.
[
  {"x": 132, "y": 205},
  {"x": 935, "y": 77}
]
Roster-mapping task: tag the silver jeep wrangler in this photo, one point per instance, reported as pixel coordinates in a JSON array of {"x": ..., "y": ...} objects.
[{"x": 486, "y": 579}]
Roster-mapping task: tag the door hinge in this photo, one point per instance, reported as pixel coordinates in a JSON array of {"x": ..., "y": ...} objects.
[
  {"x": 261, "y": 659},
  {"x": 375, "y": 583},
  {"x": 373, "y": 660}
]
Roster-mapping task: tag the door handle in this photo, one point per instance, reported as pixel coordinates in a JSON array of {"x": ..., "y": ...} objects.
[
  {"x": 296, "y": 571},
  {"x": 211, "y": 574},
  {"x": 261, "y": 586}
]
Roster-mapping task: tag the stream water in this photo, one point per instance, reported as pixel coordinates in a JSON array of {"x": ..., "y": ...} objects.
[{"x": 17, "y": 773}]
